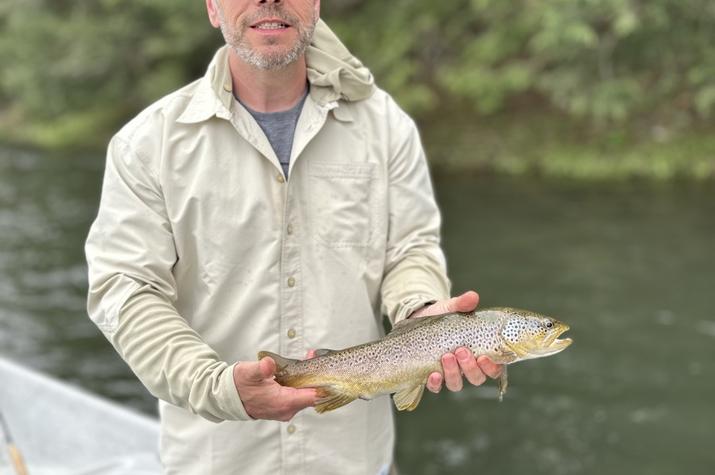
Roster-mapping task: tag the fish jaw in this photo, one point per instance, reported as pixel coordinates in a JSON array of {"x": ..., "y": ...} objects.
[
  {"x": 556, "y": 346},
  {"x": 553, "y": 344},
  {"x": 550, "y": 345}
]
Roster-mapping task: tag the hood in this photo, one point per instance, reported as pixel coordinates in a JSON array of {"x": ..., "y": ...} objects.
[{"x": 333, "y": 72}]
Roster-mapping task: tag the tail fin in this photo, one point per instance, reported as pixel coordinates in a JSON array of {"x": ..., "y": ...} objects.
[
  {"x": 286, "y": 374},
  {"x": 281, "y": 362}
]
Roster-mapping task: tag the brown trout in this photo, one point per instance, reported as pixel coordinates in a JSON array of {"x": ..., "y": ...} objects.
[{"x": 400, "y": 362}]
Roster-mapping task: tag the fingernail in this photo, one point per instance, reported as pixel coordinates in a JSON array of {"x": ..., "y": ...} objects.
[{"x": 462, "y": 354}]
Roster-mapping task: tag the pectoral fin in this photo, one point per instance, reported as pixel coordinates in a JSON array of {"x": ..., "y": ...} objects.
[
  {"x": 503, "y": 383},
  {"x": 330, "y": 399},
  {"x": 408, "y": 399}
]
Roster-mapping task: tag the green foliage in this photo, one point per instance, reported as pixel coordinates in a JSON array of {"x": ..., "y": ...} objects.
[
  {"x": 602, "y": 60},
  {"x": 83, "y": 67},
  {"x": 74, "y": 71}
]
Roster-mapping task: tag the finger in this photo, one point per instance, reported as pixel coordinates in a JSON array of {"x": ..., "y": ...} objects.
[
  {"x": 434, "y": 382},
  {"x": 489, "y": 367},
  {"x": 470, "y": 369},
  {"x": 452, "y": 374},
  {"x": 298, "y": 399}
]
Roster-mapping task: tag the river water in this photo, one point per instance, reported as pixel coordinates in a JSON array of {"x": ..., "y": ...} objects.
[{"x": 630, "y": 266}]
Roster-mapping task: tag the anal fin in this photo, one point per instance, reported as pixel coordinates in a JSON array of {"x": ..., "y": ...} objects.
[
  {"x": 329, "y": 399},
  {"x": 408, "y": 399}
]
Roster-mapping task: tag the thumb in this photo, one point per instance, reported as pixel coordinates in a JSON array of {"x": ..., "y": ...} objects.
[
  {"x": 267, "y": 367},
  {"x": 463, "y": 303},
  {"x": 257, "y": 371}
]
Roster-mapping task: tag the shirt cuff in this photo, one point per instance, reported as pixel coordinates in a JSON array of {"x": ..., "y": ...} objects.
[
  {"x": 230, "y": 401},
  {"x": 408, "y": 306}
]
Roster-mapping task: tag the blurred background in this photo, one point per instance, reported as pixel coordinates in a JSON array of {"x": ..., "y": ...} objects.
[{"x": 573, "y": 151}]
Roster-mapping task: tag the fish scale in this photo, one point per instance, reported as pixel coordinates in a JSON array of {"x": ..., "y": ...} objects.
[{"x": 400, "y": 362}]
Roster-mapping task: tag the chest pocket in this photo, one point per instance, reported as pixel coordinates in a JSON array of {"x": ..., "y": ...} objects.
[{"x": 340, "y": 203}]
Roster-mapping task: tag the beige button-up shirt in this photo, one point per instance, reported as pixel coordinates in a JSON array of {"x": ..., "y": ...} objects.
[{"x": 202, "y": 254}]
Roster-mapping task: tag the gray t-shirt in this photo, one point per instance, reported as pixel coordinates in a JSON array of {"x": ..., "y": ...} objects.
[{"x": 279, "y": 128}]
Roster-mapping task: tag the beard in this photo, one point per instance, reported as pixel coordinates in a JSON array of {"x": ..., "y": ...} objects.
[{"x": 279, "y": 58}]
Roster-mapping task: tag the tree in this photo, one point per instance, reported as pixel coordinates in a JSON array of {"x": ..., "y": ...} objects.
[{"x": 74, "y": 70}]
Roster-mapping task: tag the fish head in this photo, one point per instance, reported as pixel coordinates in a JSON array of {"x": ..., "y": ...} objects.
[{"x": 531, "y": 335}]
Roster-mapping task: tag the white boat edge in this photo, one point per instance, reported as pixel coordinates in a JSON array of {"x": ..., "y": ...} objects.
[{"x": 60, "y": 428}]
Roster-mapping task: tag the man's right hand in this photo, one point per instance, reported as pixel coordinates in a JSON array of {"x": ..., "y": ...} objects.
[{"x": 263, "y": 397}]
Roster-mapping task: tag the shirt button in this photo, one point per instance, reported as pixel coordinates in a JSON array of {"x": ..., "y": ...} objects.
[
  {"x": 289, "y": 229},
  {"x": 291, "y": 282},
  {"x": 280, "y": 178},
  {"x": 291, "y": 333},
  {"x": 291, "y": 429}
]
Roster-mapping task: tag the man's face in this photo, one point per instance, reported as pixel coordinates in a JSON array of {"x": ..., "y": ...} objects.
[{"x": 268, "y": 34}]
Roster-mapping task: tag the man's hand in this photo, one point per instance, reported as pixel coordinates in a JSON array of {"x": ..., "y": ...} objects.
[
  {"x": 462, "y": 361},
  {"x": 263, "y": 397}
]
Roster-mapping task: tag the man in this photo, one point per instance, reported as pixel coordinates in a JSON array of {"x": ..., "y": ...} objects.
[{"x": 280, "y": 203}]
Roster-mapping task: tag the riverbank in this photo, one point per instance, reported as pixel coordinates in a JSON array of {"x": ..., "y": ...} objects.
[
  {"x": 517, "y": 144},
  {"x": 549, "y": 146}
]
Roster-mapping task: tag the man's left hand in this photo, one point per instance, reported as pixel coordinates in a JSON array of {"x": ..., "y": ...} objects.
[{"x": 462, "y": 361}]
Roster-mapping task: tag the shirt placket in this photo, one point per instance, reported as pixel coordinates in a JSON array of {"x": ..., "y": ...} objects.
[
  {"x": 291, "y": 326},
  {"x": 292, "y": 341}
]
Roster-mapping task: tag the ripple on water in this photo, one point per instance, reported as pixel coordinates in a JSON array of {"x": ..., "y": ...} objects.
[{"x": 706, "y": 327}]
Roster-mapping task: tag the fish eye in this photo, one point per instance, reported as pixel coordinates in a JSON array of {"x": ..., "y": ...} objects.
[{"x": 549, "y": 324}]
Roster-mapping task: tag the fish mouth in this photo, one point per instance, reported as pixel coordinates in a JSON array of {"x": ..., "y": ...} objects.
[
  {"x": 554, "y": 344},
  {"x": 549, "y": 345}
]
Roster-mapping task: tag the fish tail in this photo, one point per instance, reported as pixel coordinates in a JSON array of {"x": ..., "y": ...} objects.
[
  {"x": 330, "y": 397},
  {"x": 286, "y": 373},
  {"x": 281, "y": 362}
]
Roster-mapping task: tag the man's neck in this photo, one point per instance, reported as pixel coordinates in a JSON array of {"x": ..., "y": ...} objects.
[{"x": 268, "y": 91}]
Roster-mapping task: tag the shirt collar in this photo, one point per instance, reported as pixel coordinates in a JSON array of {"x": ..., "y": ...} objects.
[{"x": 214, "y": 95}]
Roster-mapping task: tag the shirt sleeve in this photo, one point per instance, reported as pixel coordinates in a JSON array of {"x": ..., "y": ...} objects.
[
  {"x": 415, "y": 271},
  {"x": 130, "y": 254}
]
